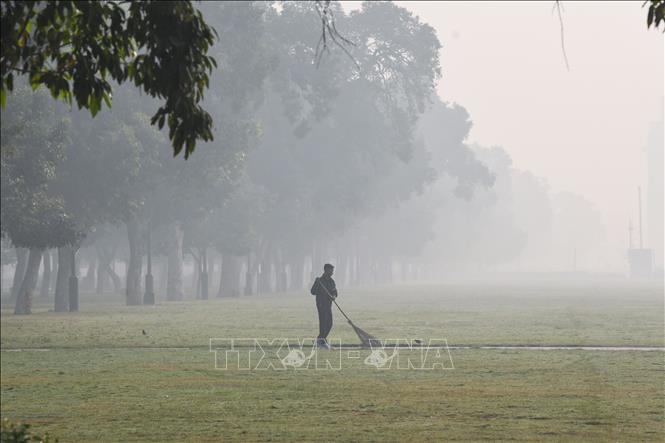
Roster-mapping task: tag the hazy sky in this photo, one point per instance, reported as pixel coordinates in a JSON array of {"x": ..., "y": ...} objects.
[{"x": 584, "y": 130}]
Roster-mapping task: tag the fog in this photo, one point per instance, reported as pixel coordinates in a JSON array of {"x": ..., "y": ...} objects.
[
  {"x": 584, "y": 130},
  {"x": 422, "y": 151}
]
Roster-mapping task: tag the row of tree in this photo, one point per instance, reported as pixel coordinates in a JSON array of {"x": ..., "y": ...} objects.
[
  {"x": 304, "y": 152},
  {"x": 349, "y": 158}
]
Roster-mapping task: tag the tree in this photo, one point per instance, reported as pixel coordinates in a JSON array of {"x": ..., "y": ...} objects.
[
  {"x": 478, "y": 231},
  {"x": 443, "y": 171},
  {"x": 236, "y": 90},
  {"x": 32, "y": 216},
  {"x": 337, "y": 142},
  {"x": 10, "y": 255},
  {"x": 115, "y": 170},
  {"x": 320, "y": 159},
  {"x": 444, "y": 128},
  {"x": 236, "y": 231},
  {"x": 534, "y": 215},
  {"x": 99, "y": 173},
  {"x": 76, "y": 48}
]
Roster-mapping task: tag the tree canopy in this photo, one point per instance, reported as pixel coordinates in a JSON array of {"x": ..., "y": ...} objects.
[{"x": 78, "y": 48}]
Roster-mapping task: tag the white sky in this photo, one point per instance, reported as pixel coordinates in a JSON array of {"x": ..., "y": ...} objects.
[{"x": 583, "y": 130}]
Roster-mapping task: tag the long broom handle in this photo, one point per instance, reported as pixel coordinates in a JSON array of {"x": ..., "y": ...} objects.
[
  {"x": 340, "y": 310},
  {"x": 333, "y": 300}
]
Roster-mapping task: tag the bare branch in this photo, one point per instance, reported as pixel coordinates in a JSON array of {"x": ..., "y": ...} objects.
[
  {"x": 563, "y": 45},
  {"x": 328, "y": 29}
]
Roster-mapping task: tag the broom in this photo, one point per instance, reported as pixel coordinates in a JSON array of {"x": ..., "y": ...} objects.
[{"x": 367, "y": 339}]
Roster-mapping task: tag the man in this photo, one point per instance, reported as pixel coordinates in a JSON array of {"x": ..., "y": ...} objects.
[{"x": 325, "y": 291}]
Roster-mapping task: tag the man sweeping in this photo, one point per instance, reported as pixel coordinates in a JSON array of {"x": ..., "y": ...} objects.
[{"x": 325, "y": 291}]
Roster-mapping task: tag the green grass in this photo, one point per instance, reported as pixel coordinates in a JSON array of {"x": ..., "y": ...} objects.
[{"x": 102, "y": 380}]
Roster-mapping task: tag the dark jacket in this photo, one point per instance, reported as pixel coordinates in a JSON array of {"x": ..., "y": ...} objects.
[{"x": 321, "y": 284}]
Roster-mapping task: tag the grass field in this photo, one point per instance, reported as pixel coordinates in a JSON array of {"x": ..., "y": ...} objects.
[{"x": 94, "y": 376}]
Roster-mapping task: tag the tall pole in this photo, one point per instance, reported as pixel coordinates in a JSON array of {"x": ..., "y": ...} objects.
[
  {"x": 248, "y": 275},
  {"x": 639, "y": 203},
  {"x": 630, "y": 234}
]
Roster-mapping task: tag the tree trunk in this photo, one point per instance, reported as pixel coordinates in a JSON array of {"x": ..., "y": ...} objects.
[
  {"x": 54, "y": 269},
  {"x": 103, "y": 262},
  {"x": 264, "y": 278},
  {"x": 89, "y": 280},
  {"x": 175, "y": 266},
  {"x": 102, "y": 277},
  {"x": 74, "y": 283},
  {"x": 19, "y": 271},
  {"x": 390, "y": 277},
  {"x": 353, "y": 274},
  {"x": 367, "y": 269},
  {"x": 360, "y": 269},
  {"x": 196, "y": 275},
  {"x": 218, "y": 270},
  {"x": 340, "y": 270},
  {"x": 24, "y": 298},
  {"x": 62, "y": 282},
  {"x": 297, "y": 271},
  {"x": 135, "y": 265},
  {"x": 203, "y": 277},
  {"x": 317, "y": 261},
  {"x": 45, "y": 288},
  {"x": 115, "y": 278},
  {"x": 163, "y": 276},
  {"x": 105, "y": 272},
  {"x": 229, "y": 279},
  {"x": 356, "y": 266},
  {"x": 249, "y": 275},
  {"x": 282, "y": 278},
  {"x": 222, "y": 290}
]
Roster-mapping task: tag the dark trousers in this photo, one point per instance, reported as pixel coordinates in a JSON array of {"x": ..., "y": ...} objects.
[{"x": 324, "y": 306}]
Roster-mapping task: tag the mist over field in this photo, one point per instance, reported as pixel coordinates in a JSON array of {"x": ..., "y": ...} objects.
[{"x": 488, "y": 174}]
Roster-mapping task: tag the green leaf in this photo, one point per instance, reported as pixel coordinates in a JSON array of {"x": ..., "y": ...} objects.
[
  {"x": 107, "y": 99},
  {"x": 35, "y": 81},
  {"x": 93, "y": 105}
]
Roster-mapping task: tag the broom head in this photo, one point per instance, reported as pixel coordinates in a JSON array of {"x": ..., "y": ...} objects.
[{"x": 367, "y": 339}]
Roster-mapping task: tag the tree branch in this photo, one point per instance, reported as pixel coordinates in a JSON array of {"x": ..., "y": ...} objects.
[{"x": 563, "y": 45}]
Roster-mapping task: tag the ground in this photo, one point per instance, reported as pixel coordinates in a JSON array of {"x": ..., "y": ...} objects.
[{"x": 95, "y": 376}]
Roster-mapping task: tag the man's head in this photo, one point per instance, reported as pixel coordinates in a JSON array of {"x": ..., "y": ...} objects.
[{"x": 328, "y": 269}]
